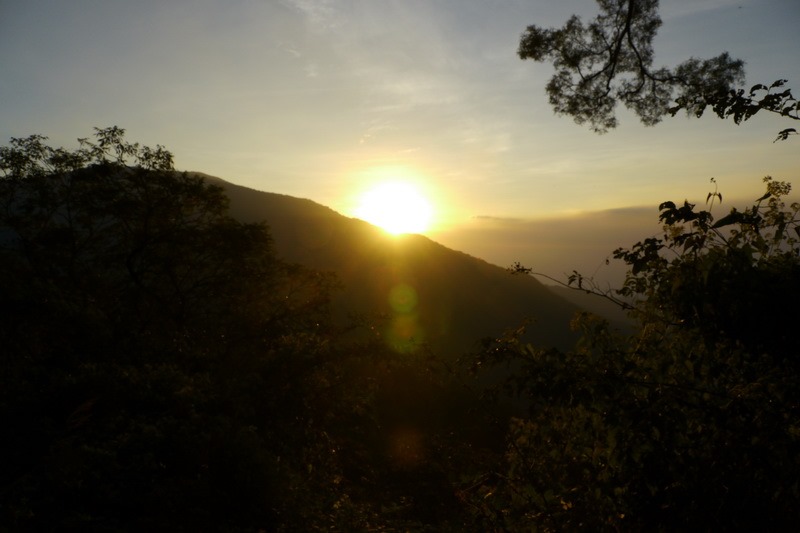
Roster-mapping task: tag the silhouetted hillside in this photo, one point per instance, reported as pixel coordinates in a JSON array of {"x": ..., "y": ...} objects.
[{"x": 428, "y": 292}]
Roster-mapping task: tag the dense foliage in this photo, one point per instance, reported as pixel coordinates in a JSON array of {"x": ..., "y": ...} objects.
[
  {"x": 146, "y": 336},
  {"x": 163, "y": 370},
  {"x": 693, "y": 422},
  {"x": 610, "y": 61}
]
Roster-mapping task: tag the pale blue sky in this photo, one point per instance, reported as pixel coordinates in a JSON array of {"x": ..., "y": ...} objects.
[{"x": 309, "y": 97}]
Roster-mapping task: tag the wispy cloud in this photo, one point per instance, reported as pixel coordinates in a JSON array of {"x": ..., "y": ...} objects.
[{"x": 321, "y": 14}]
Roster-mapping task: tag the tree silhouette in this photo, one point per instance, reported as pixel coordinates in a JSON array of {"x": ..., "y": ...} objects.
[
  {"x": 158, "y": 358},
  {"x": 691, "y": 421},
  {"x": 688, "y": 423},
  {"x": 610, "y": 60},
  {"x": 162, "y": 369}
]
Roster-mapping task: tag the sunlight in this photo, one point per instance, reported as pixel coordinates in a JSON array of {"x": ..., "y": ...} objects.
[{"x": 396, "y": 206}]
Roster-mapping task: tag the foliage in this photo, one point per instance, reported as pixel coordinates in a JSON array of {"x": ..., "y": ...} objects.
[
  {"x": 610, "y": 60},
  {"x": 742, "y": 105},
  {"x": 147, "y": 338},
  {"x": 164, "y": 370},
  {"x": 693, "y": 422},
  {"x": 719, "y": 276}
]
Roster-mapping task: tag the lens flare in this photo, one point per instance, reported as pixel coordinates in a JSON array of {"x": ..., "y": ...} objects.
[
  {"x": 404, "y": 333},
  {"x": 403, "y": 298}
]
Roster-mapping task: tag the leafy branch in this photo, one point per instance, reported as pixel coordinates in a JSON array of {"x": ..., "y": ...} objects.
[
  {"x": 577, "y": 282},
  {"x": 30, "y": 156},
  {"x": 610, "y": 61},
  {"x": 741, "y": 105}
]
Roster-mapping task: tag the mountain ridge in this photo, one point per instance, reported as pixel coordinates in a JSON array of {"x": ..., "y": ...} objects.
[{"x": 428, "y": 293}]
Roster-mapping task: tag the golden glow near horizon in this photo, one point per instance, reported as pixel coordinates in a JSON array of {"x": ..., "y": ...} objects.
[{"x": 397, "y": 206}]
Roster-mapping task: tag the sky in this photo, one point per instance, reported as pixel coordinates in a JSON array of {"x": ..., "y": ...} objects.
[{"x": 320, "y": 99}]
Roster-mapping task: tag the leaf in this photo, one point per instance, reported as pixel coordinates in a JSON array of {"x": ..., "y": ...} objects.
[
  {"x": 779, "y": 231},
  {"x": 766, "y": 195},
  {"x": 733, "y": 218},
  {"x": 751, "y": 110},
  {"x": 778, "y": 83},
  {"x": 756, "y": 87},
  {"x": 784, "y": 134}
]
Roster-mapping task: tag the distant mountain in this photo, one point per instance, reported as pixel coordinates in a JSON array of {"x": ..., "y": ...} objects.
[{"x": 429, "y": 293}]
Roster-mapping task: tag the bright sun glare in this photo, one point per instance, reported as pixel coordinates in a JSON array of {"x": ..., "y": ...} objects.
[{"x": 397, "y": 207}]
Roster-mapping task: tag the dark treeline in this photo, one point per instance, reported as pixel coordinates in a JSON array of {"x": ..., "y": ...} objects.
[{"x": 163, "y": 369}]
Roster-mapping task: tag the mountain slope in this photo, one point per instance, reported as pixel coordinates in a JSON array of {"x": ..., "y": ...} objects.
[{"x": 428, "y": 293}]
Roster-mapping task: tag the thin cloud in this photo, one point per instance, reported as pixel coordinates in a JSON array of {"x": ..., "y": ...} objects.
[{"x": 320, "y": 13}]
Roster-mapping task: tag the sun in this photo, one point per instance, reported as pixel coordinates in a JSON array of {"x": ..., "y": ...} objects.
[{"x": 397, "y": 207}]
